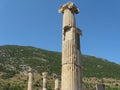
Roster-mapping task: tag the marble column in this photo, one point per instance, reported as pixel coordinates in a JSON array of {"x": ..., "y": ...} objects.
[
  {"x": 71, "y": 54},
  {"x": 30, "y": 79},
  {"x": 57, "y": 86},
  {"x": 44, "y": 74}
]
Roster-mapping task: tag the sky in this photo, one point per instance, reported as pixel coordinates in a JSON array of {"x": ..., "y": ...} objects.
[{"x": 37, "y": 23}]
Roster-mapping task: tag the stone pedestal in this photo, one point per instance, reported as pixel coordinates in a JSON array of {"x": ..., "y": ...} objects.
[
  {"x": 44, "y": 74},
  {"x": 56, "y": 77},
  {"x": 71, "y": 54},
  {"x": 100, "y": 87},
  {"x": 30, "y": 79}
]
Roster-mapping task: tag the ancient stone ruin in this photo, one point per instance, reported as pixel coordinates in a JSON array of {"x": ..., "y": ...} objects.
[
  {"x": 57, "y": 86},
  {"x": 71, "y": 55},
  {"x": 45, "y": 74},
  {"x": 30, "y": 79}
]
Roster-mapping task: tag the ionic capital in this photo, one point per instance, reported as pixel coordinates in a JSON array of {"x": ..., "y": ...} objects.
[
  {"x": 55, "y": 76},
  {"x": 44, "y": 74},
  {"x": 30, "y": 70},
  {"x": 70, "y": 6}
]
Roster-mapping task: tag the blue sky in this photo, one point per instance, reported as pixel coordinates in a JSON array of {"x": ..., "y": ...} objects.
[{"x": 37, "y": 23}]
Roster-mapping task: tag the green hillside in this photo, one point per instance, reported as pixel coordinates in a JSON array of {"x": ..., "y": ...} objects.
[
  {"x": 100, "y": 68},
  {"x": 17, "y": 59}
]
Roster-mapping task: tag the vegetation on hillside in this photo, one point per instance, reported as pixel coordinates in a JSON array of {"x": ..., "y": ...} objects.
[{"x": 100, "y": 68}]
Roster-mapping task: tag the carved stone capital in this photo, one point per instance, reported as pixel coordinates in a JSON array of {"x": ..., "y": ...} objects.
[
  {"x": 55, "y": 76},
  {"x": 30, "y": 70},
  {"x": 70, "y": 6},
  {"x": 44, "y": 74}
]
